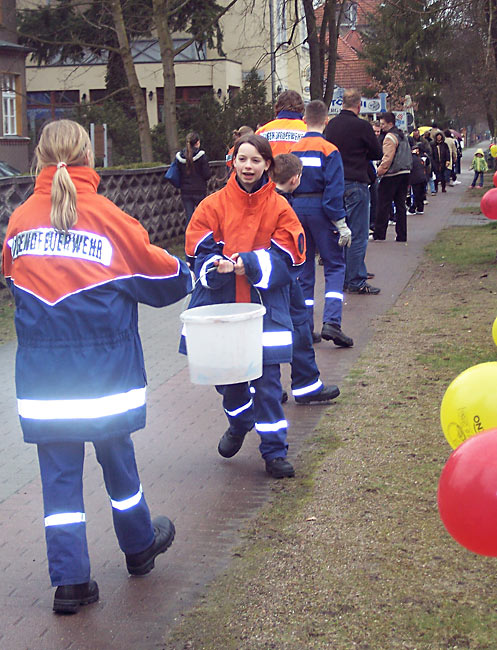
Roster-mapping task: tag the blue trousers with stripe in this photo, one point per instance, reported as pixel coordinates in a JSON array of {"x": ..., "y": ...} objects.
[
  {"x": 321, "y": 236},
  {"x": 260, "y": 408},
  {"x": 61, "y": 467},
  {"x": 305, "y": 372}
]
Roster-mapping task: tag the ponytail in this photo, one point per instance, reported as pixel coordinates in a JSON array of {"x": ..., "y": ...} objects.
[
  {"x": 191, "y": 140},
  {"x": 63, "y": 143},
  {"x": 63, "y": 215}
]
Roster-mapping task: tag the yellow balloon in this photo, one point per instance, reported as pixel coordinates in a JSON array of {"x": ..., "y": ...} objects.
[
  {"x": 493, "y": 151},
  {"x": 469, "y": 405},
  {"x": 494, "y": 331}
]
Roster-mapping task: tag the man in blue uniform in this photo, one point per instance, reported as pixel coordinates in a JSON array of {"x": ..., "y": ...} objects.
[{"x": 318, "y": 202}]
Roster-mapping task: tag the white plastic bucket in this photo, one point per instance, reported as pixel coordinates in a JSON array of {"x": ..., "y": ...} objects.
[{"x": 224, "y": 342}]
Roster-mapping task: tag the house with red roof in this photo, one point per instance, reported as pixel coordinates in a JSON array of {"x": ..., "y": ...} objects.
[{"x": 351, "y": 68}]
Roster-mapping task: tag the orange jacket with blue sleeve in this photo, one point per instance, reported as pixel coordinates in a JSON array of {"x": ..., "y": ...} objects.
[
  {"x": 80, "y": 371},
  {"x": 265, "y": 231},
  {"x": 283, "y": 132}
]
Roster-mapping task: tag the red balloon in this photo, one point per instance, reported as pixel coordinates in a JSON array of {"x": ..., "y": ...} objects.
[
  {"x": 488, "y": 204},
  {"x": 467, "y": 494},
  {"x": 495, "y": 179}
]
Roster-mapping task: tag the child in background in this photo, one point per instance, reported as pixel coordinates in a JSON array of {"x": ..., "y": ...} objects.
[
  {"x": 237, "y": 134},
  {"x": 319, "y": 204},
  {"x": 306, "y": 384},
  {"x": 417, "y": 181},
  {"x": 245, "y": 244},
  {"x": 479, "y": 166},
  {"x": 78, "y": 266}
]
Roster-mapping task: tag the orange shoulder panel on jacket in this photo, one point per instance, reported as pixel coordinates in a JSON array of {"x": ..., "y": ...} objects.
[{"x": 315, "y": 144}]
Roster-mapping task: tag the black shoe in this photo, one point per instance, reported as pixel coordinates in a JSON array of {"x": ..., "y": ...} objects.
[
  {"x": 230, "y": 444},
  {"x": 365, "y": 289},
  {"x": 69, "y": 598},
  {"x": 279, "y": 468},
  {"x": 316, "y": 338},
  {"x": 401, "y": 240},
  {"x": 325, "y": 395},
  {"x": 284, "y": 397},
  {"x": 370, "y": 275},
  {"x": 139, "y": 564},
  {"x": 333, "y": 332}
]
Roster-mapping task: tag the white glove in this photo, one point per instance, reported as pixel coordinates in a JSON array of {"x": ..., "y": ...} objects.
[{"x": 344, "y": 232}]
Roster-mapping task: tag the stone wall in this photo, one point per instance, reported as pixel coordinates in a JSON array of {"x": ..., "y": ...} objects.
[{"x": 142, "y": 193}]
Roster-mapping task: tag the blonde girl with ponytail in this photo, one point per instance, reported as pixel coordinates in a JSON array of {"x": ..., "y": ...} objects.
[
  {"x": 78, "y": 266},
  {"x": 63, "y": 143}
]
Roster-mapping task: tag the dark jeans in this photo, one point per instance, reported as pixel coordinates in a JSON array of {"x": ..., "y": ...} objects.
[
  {"x": 418, "y": 195},
  {"x": 373, "y": 203},
  {"x": 440, "y": 178},
  {"x": 190, "y": 202},
  {"x": 356, "y": 199},
  {"x": 475, "y": 178},
  {"x": 392, "y": 188}
]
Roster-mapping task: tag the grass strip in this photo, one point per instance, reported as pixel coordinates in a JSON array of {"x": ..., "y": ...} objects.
[{"x": 352, "y": 553}]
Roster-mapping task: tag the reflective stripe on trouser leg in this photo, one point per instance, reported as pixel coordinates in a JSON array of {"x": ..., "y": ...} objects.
[
  {"x": 61, "y": 468},
  {"x": 305, "y": 373},
  {"x": 270, "y": 420},
  {"x": 130, "y": 513},
  {"x": 333, "y": 256},
  {"x": 307, "y": 278},
  {"x": 239, "y": 407}
]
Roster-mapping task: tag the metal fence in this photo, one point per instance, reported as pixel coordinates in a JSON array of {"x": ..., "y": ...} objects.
[{"x": 142, "y": 193}]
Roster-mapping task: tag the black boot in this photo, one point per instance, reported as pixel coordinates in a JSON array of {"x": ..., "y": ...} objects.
[
  {"x": 139, "y": 564},
  {"x": 325, "y": 395},
  {"x": 69, "y": 598},
  {"x": 279, "y": 468},
  {"x": 333, "y": 332},
  {"x": 230, "y": 444}
]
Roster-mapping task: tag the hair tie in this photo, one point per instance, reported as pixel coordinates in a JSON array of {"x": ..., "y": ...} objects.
[{"x": 61, "y": 164}]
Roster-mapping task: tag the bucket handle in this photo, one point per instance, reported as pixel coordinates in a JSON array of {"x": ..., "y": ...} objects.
[{"x": 213, "y": 268}]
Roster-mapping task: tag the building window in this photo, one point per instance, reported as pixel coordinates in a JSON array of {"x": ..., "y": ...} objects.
[
  {"x": 49, "y": 105},
  {"x": 9, "y": 104}
]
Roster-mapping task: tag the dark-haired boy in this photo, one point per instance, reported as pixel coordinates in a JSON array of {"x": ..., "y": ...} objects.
[
  {"x": 307, "y": 387},
  {"x": 319, "y": 204}
]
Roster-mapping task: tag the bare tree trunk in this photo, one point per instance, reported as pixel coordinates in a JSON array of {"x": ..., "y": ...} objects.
[
  {"x": 134, "y": 85},
  {"x": 161, "y": 10},
  {"x": 316, "y": 81}
]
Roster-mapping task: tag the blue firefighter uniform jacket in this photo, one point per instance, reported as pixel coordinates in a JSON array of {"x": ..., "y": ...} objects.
[
  {"x": 80, "y": 372},
  {"x": 322, "y": 177},
  {"x": 318, "y": 202},
  {"x": 264, "y": 229}
]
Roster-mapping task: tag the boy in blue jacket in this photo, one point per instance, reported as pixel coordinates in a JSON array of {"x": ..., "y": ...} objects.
[
  {"x": 307, "y": 387},
  {"x": 318, "y": 202}
]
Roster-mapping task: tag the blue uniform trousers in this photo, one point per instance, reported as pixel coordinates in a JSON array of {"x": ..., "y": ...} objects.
[
  {"x": 258, "y": 403},
  {"x": 61, "y": 466},
  {"x": 321, "y": 235},
  {"x": 305, "y": 373}
]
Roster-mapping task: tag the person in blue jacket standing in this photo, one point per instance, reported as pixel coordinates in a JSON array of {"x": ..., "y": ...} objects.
[
  {"x": 318, "y": 202},
  {"x": 77, "y": 267}
]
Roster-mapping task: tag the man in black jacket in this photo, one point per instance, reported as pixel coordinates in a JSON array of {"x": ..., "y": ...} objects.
[{"x": 358, "y": 145}]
